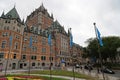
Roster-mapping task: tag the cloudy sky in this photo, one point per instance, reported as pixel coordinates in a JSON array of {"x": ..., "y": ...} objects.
[{"x": 77, "y": 14}]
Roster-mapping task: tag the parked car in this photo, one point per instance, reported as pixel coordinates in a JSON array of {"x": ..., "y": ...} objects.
[
  {"x": 77, "y": 66},
  {"x": 106, "y": 70},
  {"x": 88, "y": 67}
]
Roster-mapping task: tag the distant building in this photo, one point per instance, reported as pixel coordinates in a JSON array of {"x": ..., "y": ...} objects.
[{"x": 15, "y": 43}]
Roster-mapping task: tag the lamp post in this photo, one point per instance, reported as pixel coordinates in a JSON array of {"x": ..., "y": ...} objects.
[{"x": 73, "y": 63}]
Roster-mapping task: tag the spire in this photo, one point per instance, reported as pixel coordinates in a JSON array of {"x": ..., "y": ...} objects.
[
  {"x": 14, "y": 5},
  {"x": 42, "y": 4},
  {"x": 52, "y": 15},
  {"x": 23, "y": 21},
  {"x": 42, "y": 7}
]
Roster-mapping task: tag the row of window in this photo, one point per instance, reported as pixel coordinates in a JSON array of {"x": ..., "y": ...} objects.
[
  {"x": 8, "y": 21},
  {"x": 8, "y": 28},
  {"x": 43, "y": 58},
  {"x": 34, "y": 49},
  {"x": 34, "y": 64},
  {"x": 34, "y": 40},
  {"x": 6, "y": 34},
  {"x": 4, "y": 44}
]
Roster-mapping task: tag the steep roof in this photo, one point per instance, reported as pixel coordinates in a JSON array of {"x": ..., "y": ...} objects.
[{"x": 12, "y": 14}]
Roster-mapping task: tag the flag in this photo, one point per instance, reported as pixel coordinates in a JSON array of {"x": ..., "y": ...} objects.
[
  {"x": 71, "y": 38},
  {"x": 98, "y": 36},
  {"x": 49, "y": 39},
  {"x": 10, "y": 39},
  {"x": 30, "y": 44}
]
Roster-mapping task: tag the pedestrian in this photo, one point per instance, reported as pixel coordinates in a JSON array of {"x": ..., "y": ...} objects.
[
  {"x": 89, "y": 69},
  {"x": 98, "y": 70},
  {"x": 81, "y": 67}
]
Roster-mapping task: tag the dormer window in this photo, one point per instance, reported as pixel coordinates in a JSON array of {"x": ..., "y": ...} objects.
[{"x": 9, "y": 16}]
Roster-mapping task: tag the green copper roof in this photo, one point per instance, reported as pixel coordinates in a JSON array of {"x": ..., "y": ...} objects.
[
  {"x": 57, "y": 23},
  {"x": 12, "y": 14}
]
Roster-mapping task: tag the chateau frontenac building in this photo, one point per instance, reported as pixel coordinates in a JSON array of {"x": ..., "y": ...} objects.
[{"x": 16, "y": 51}]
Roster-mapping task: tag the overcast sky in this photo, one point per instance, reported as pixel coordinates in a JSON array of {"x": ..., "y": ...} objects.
[{"x": 77, "y": 14}]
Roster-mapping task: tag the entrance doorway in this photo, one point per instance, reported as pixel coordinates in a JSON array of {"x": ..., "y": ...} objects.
[
  {"x": 21, "y": 66},
  {"x": 13, "y": 65}
]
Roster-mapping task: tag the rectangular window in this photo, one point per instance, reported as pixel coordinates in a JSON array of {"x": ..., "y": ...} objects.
[
  {"x": 16, "y": 45},
  {"x": 1, "y": 55},
  {"x": 43, "y": 41},
  {"x": 33, "y": 64},
  {"x": 25, "y": 64},
  {"x": 14, "y": 56},
  {"x": 17, "y": 36},
  {"x": 5, "y": 34},
  {"x": 3, "y": 44},
  {"x": 43, "y": 50},
  {"x": 43, "y": 58},
  {"x": 34, "y": 48},
  {"x": 23, "y": 56},
  {"x": 33, "y": 57},
  {"x": 24, "y": 48},
  {"x": 51, "y": 58}
]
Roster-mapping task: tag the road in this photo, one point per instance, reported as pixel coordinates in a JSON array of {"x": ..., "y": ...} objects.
[{"x": 94, "y": 73}]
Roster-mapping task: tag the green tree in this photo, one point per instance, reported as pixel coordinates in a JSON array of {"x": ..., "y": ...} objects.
[{"x": 108, "y": 50}]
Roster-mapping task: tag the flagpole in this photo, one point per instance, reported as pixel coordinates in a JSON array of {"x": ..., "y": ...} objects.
[
  {"x": 49, "y": 42},
  {"x": 100, "y": 57},
  {"x": 71, "y": 45},
  {"x": 10, "y": 43}
]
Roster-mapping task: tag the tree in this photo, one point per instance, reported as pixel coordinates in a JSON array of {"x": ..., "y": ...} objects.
[{"x": 108, "y": 50}]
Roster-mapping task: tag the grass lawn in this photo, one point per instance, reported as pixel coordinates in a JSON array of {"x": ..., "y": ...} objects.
[
  {"x": 64, "y": 73},
  {"x": 46, "y": 72}
]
